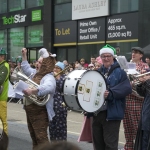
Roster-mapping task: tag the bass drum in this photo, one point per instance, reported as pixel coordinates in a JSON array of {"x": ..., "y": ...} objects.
[{"x": 84, "y": 90}]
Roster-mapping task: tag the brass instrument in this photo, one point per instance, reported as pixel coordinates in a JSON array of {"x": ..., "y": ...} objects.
[
  {"x": 136, "y": 77},
  {"x": 135, "y": 81},
  {"x": 39, "y": 100}
]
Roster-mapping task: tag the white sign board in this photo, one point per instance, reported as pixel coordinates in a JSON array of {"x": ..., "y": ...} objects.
[{"x": 89, "y": 8}]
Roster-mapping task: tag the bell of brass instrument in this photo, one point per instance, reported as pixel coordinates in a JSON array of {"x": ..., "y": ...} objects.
[
  {"x": 38, "y": 100},
  {"x": 135, "y": 81}
]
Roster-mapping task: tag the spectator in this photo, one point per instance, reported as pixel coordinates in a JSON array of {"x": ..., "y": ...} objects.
[
  {"x": 83, "y": 63},
  {"x": 91, "y": 67},
  {"x": 93, "y": 60},
  {"x": 78, "y": 66},
  {"x": 117, "y": 50},
  {"x": 65, "y": 62},
  {"x": 147, "y": 60}
]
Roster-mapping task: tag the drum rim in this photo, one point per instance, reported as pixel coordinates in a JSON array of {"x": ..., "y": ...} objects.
[
  {"x": 77, "y": 100},
  {"x": 75, "y": 92}
]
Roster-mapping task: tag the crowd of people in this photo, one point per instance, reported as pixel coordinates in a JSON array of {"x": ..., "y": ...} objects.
[{"x": 120, "y": 102}]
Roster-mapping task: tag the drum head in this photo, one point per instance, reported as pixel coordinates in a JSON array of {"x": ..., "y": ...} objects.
[
  {"x": 91, "y": 90},
  {"x": 1, "y": 129}
]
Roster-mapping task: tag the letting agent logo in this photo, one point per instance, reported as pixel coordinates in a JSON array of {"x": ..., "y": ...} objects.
[{"x": 14, "y": 19}]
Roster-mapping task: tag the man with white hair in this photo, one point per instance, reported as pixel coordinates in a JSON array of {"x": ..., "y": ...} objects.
[
  {"x": 106, "y": 121},
  {"x": 38, "y": 117}
]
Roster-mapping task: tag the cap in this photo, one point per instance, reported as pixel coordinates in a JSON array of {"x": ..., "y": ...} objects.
[
  {"x": 107, "y": 49},
  {"x": 2, "y": 51},
  {"x": 60, "y": 65},
  {"x": 137, "y": 49}
]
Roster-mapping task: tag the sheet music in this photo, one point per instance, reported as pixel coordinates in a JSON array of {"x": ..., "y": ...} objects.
[
  {"x": 122, "y": 62},
  {"x": 20, "y": 87}
]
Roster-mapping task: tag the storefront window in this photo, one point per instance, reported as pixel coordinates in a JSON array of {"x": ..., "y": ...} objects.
[
  {"x": 34, "y": 3},
  {"x": 61, "y": 1},
  {"x": 34, "y": 36},
  {"x": 16, "y": 42},
  {"x": 125, "y": 48},
  {"x": 63, "y": 12},
  {"x": 3, "y": 39},
  {"x": 86, "y": 51},
  {"x": 16, "y": 5},
  {"x": 61, "y": 54},
  {"x": 119, "y": 6},
  {"x": 3, "y": 6}
]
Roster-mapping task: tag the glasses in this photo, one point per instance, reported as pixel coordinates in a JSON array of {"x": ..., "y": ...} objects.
[{"x": 108, "y": 56}]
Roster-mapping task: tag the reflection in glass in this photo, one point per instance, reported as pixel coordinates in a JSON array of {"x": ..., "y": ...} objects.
[
  {"x": 86, "y": 51},
  {"x": 63, "y": 12},
  {"x": 34, "y": 3},
  {"x": 3, "y": 39},
  {"x": 3, "y": 6},
  {"x": 119, "y": 6},
  {"x": 61, "y": 1},
  {"x": 61, "y": 54},
  {"x": 34, "y": 36},
  {"x": 16, "y": 5},
  {"x": 16, "y": 42}
]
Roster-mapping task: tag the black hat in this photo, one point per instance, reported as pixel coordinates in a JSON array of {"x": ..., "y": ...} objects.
[{"x": 137, "y": 49}]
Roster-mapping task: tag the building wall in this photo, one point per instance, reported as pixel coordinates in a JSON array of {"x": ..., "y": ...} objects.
[{"x": 144, "y": 23}]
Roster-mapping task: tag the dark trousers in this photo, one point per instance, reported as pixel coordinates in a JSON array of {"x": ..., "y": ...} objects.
[
  {"x": 105, "y": 133},
  {"x": 145, "y": 139},
  {"x": 37, "y": 120}
]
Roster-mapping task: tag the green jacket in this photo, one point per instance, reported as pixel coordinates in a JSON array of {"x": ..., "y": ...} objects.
[{"x": 4, "y": 80}]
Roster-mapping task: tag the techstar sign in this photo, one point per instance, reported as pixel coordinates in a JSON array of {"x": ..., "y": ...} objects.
[{"x": 14, "y": 19}]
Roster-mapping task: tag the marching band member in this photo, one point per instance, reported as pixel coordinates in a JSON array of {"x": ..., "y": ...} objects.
[
  {"x": 4, "y": 83},
  {"x": 133, "y": 104},
  {"x": 106, "y": 122},
  {"x": 143, "y": 135},
  {"x": 38, "y": 116},
  {"x": 58, "y": 126}
]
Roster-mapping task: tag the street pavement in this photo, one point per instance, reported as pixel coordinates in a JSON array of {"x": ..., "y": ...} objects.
[{"x": 19, "y": 138}]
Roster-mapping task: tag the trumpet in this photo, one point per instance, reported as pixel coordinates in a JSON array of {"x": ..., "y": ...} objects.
[{"x": 136, "y": 78}]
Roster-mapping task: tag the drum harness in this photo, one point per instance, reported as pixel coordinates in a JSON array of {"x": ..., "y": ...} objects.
[{"x": 106, "y": 75}]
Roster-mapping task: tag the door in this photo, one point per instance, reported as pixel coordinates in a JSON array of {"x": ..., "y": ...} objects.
[{"x": 32, "y": 54}]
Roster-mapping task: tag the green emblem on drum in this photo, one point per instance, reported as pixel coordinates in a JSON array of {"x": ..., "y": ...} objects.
[
  {"x": 100, "y": 84},
  {"x": 96, "y": 103},
  {"x": 80, "y": 88},
  {"x": 98, "y": 93},
  {"x": 87, "y": 90}
]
